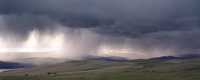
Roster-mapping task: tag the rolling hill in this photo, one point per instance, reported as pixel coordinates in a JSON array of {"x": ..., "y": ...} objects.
[
  {"x": 76, "y": 67},
  {"x": 98, "y": 66}
]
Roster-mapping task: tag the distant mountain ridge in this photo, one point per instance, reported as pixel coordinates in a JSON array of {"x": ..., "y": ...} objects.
[
  {"x": 111, "y": 58},
  {"x": 13, "y": 65},
  {"x": 167, "y": 58}
]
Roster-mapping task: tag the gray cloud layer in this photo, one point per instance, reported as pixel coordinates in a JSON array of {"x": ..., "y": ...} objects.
[
  {"x": 151, "y": 23},
  {"x": 151, "y": 15}
]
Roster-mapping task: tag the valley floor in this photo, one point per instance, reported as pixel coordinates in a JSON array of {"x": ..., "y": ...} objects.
[
  {"x": 189, "y": 75},
  {"x": 180, "y": 69}
]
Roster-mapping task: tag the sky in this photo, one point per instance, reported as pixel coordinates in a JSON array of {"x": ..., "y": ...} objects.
[{"x": 73, "y": 29}]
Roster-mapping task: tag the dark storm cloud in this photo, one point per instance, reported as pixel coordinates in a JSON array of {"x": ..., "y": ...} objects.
[
  {"x": 170, "y": 22},
  {"x": 22, "y": 24},
  {"x": 130, "y": 17},
  {"x": 70, "y": 13},
  {"x": 190, "y": 55}
]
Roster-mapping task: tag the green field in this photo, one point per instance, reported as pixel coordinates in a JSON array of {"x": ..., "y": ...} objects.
[
  {"x": 187, "y": 69},
  {"x": 113, "y": 76}
]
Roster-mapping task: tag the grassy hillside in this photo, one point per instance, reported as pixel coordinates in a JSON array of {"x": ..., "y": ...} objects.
[
  {"x": 178, "y": 65},
  {"x": 77, "y": 66},
  {"x": 184, "y": 69}
]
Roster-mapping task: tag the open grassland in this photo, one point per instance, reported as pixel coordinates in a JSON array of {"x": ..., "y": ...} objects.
[
  {"x": 113, "y": 76},
  {"x": 183, "y": 69},
  {"x": 76, "y": 67}
]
